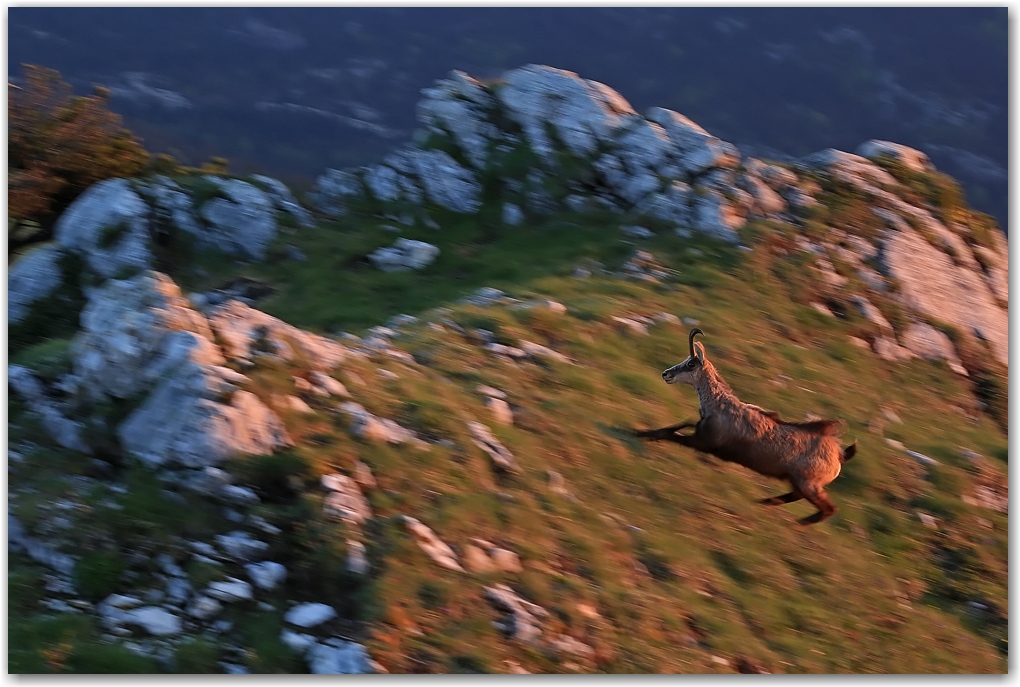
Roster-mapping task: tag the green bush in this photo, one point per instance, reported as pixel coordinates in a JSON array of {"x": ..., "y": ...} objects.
[{"x": 97, "y": 574}]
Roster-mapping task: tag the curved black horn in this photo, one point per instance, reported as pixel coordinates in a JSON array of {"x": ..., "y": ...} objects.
[{"x": 690, "y": 339}]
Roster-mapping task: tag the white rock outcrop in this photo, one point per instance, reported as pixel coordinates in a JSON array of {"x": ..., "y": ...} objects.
[
  {"x": 434, "y": 547},
  {"x": 241, "y": 222},
  {"x": 108, "y": 226},
  {"x": 34, "y": 276}
]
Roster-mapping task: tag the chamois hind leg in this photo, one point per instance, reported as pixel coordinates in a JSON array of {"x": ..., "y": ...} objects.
[
  {"x": 663, "y": 433},
  {"x": 820, "y": 500},
  {"x": 794, "y": 495}
]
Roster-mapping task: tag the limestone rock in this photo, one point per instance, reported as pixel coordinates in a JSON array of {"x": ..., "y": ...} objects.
[
  {"x": 931, "y": 344},
  {"x": 266, "y": 575},
  {"x": 348, "y": 658},
  {"x": 699, "y": 151},
  {"x": 19, "y": 540},
  {"x": 434, "y": 547},
  {"x": 477, "y": 560},
  {"x": 283, "y": 199},
  {"x": 372, "y": 428},
  {"x": 512, "y": 214},
  {"x": 456, "y": 107},
  {"x": 229, "y": 590},
  {"x": 715, "y": 216},
  {"x": 501, "y": 412},
  {"x": 328, "y": 384},
  {"x": 345, "y": 499},
  {"x": 309, "y": 614},
  {"x": 912, "y": 159},
  {"x": 241, "y": 545},
  {"x": 581, "y": 112},
  {"x": 298, "y": 641},
  {"x": 405, "y": 254},
  {"x": 886, "y": 348},
  {"x": 63, "y": 430},
  {"x": 243, "y": 329},
  {"x": 483, "y": 439},
  {"x": 108, "y": 226},
  {"x": 524, "y": 619},
  {"x": 931, "y": 285},
  {"x": 357, "y": 560},
  {"x": 34, "y": 276},
  {"x": 241, "y": 222},
  {"x": 156, "y": 620}
]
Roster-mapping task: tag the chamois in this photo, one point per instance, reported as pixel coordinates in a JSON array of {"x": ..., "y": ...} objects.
[{"x": 806, "y": 454}]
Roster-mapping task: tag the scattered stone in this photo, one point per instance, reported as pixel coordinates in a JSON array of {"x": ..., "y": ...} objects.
[
  {"x": 405, "y": 254},
  {"x": 372, "y": 428},
  {"x": 927, "y": 520},
  {"x": 298, "y": 641},
  {"x": 357, "y": 560},
  {"x": 345, "y": 499},
  {"x": 891, "y": 416},
  {"x": 886, "y": 348},
  {"x": 292, "y": 403},
  {"x": 931, "y": 344},
  {"x": 230, "y": 590},
  {"x": 155, "y": 620},
  {"x": 565, "y": 644},
  {"x": 177, "y": 590},
  {"x": 859, "y": 342},
  {"x": 483, "y": 439},
  {"x": 309, "y": 614},
  {"x": 535, "y": 350},
  {"x": 501, "y": 412},
  {"x": 331, "y": 386},
  {"x": 631, "y": 326},
  {"x": 204, "y": 607},
  {"x": 637, "y": 232},
  {"x": 64, "y": 431},
  {"x": 266, "y": 575},
  {"x": 523, "y": 620},
  {"x": 512, "y": 214},
  {"x": 434, "y": 547},
  {"x": 822, "y": 309},
  {"x": 347, "y": 659},
  {"x": 18, "y": 540},
  {"x": 240, "y": 545},
  {"x": 477, "y": 560}
]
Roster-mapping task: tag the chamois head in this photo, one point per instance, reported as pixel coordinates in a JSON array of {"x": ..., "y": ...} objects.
[{"x": 690, "y": 369}]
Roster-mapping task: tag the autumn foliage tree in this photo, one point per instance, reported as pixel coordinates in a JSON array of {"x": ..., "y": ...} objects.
[{"x": 59, "y": 144}]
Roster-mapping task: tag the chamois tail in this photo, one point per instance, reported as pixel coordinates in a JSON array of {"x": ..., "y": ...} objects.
[{"x": 849, "y": 452}]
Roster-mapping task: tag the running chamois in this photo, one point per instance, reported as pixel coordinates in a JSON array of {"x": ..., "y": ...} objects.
[{"x": 806, "y": 454}]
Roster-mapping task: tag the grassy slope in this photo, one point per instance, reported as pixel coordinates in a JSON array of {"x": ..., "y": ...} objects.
[{"x": 871, "y": 590}]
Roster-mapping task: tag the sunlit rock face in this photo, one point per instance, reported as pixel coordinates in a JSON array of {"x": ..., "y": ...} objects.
[{"x": 141, "y": 341}]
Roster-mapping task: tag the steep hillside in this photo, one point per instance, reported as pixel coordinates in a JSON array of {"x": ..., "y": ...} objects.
[{"x": 446, "y": 463}]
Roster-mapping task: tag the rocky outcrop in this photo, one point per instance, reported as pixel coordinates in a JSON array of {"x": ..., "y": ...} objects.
[
  {"x": 108, "y": 226},
  {"x": 140, "y": 339},
  {"x": 570, "y": 131},
  {"x": 34, "y": 276},
  {"x": 241, "y": 222}
]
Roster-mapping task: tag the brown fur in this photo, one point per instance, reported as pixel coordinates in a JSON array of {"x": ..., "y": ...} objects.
[{"x": 807, "y": 454}]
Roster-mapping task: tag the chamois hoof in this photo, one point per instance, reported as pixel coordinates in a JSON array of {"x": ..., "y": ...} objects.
[{"x": 814, "y": 519}]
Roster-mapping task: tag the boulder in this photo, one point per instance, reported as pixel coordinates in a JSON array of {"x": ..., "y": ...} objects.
[
  {"x": 63, "y": 430},
  {"x": 405, "y": 254},
  {"x": 524, "y": 619},
  {"x": 581, "y": 113},
  {"x": 230, "y": 590},
  {"x": 483, "y": 439},
  {"x": 716, "y": 216},
  {"x": 241, "y": 546},
  {"x": 909, "y": 157},
  {"x": 240, "y": 222},
  {"x": 155, "y": 620},
  {"x": 931, "y": 344},
  {"x": 348, "y": 658},
  {"x": 357, "y": 559},
  {"x": 243, "y": 330},
  {"x": 345, "y": 499},
  {"x": 445, "y": 182},
  {"x": 931, "y": 285},
  {"x": 434, "y": 547},
  {"x": 266, "y": 575},
  {"x": 34, "y": 276},
  {"x": 501, "y": 412},
  {"x": 204, "y": 607},
  {"x": 108, "y": 226},
  {"x": 456, "y": 107},
  {"x": 334, "y": 188},
  {"x": 283, "y": 199},
  {"x": 698, "y": 151},
  {"x": 512, "y": 214},
  {"x": 309, "y": 614}
]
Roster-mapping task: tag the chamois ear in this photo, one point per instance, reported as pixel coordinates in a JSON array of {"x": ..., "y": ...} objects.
[{"x": 699, "y": 351}]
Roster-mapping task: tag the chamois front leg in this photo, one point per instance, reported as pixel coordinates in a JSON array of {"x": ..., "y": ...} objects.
[{"x": 663, "y": 433}]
